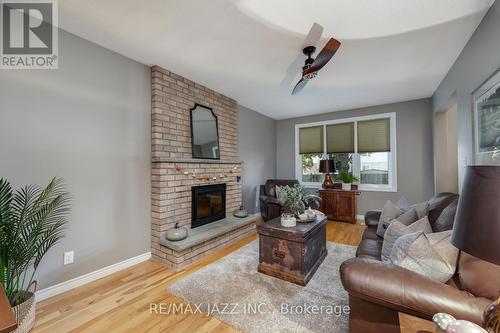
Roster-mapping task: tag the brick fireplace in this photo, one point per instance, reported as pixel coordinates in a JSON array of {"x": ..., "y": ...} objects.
[{"x": 175, "y": 173}]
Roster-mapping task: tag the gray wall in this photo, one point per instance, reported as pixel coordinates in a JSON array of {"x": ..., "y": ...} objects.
[
  {"x": 257, "y": 149},
  {"x": 414, "y": 150},
  {"x": 88, "y": 122},
  {"x": 479, "y": 59}
]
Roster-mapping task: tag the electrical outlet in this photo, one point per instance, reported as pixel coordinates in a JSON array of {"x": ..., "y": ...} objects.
[{"x": 68, "y": 257}]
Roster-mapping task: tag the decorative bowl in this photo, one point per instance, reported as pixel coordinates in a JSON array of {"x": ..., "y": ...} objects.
[{"x": 307, "y": 220}]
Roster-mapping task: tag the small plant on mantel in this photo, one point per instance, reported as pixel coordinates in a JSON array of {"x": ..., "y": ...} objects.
[{"x": 32, "y": 220}]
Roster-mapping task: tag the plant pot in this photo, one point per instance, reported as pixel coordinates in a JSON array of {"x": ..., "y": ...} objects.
[
  {"x": 25, "y": 314},
  {"x": 346, "y": 186},
  {"x": 288, "y": 221}
]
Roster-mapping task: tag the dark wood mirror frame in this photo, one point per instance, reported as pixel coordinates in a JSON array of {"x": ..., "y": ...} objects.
[{"x": 196, "y": 105}]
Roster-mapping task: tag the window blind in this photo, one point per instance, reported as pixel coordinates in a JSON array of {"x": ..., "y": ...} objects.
[
  {"x": 311, "y": 140},
  {"x": 340, "y": 138},
  {"x": 374, "y": 136}
]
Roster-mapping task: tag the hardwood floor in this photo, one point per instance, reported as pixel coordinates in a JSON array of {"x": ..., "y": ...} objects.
[
  {"x": 344, "y": 233},
  {"x": 121, "y": 302}
]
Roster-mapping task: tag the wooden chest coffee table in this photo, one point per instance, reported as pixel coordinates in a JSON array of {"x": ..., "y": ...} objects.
[{"x": 292, "y": 254}]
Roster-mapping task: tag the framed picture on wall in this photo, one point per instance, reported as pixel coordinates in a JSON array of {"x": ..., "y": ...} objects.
[{"x": 486, "y": 101}]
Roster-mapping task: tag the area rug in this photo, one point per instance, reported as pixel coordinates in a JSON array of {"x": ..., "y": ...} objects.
[{"x": 232, "y": 290}]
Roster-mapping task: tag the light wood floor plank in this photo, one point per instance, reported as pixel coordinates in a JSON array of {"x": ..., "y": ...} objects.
[{"x": 121, "y": 302}]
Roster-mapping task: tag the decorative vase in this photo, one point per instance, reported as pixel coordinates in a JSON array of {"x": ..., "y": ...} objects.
[
  {"x": 442, "y": 320},
  {"x": 176, "y": 233},
  {"x": 241, "y": 212},
  {"x": 25, "y": 314},
  {"x": 464, "y": 326},
  {"x": 446, "y": 323},
  {"x": 346, "y": 186},
  {"x": 491, "y": 317}
]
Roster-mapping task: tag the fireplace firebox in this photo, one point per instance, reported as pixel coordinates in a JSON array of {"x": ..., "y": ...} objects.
[{"x": 208, "y": 204}]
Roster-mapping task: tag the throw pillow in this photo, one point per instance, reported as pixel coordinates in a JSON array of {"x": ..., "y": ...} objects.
[
  {"x": 406, "y": 218},
  {"x": 422, "y": 208},
  {"x": 397, "y": 229},
  {"x": 473, "y": 273},
  {"x": 389, "y": 213},
  {"x": 431, "y": 255},
  {"x": 281, "y": 197}
]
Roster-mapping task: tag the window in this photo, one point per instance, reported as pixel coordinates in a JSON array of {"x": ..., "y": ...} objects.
[
  {"x": 311, "y": 150},
  {"x": 343, "y": 161},
  {"x": 374, "y": 168},
  {"x": 310, "y": 168},
  {"x": 363, "y": 146}
]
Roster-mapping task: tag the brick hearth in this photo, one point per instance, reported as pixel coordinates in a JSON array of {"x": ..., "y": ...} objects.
[{"x": 174, "y": 171}]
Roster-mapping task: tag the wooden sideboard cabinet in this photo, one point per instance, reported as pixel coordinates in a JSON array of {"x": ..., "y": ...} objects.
[{"x": 338, "y": 204}]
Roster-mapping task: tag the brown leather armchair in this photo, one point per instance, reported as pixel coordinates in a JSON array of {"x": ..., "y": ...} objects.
[
  {"x": 270, "y": 208},
  {"x": 379, "y": 290}
]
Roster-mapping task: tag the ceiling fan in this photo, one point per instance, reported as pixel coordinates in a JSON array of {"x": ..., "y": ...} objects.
[{"x": 312, "y": 66}]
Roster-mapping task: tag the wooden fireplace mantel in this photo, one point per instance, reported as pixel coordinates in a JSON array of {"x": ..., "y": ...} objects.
[{"x": 193, "y": 160}]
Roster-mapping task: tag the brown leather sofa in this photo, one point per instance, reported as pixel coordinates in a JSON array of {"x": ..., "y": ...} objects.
[
  {"x": 379, "y": 290},
  {"x": 270, "y": 208}
]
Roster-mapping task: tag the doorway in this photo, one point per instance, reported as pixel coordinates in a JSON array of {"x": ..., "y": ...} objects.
[{"x": 446, "y": 149}]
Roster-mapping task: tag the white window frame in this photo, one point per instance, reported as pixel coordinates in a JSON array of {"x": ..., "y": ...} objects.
[{"x": 393, "y": 184}]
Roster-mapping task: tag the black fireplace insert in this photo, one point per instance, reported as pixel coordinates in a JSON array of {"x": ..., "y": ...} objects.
[{"x": 208, "y": 204}]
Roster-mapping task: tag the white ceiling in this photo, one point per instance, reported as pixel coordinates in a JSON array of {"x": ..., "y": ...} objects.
[{"x": 250, "y": 50}]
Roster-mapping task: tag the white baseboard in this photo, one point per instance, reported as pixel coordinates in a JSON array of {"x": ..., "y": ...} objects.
[
  {"x": 360, "y": 217},
  {"x": 89, "y": 277}
]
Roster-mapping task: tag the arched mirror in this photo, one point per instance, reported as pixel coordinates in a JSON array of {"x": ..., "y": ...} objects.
[{"x": 204, "y": 133}]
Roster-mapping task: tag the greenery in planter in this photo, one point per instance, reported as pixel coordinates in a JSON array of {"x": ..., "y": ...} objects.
[
  {"x": 32, "y": 220},
  {"x": 347, "y": 178},
  {"x": 296, "y": 198}
]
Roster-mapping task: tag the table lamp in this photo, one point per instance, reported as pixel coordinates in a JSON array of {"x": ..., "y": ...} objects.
[
  {"x": 327, "y": 166},
  {"x": 476, "y": 230}
]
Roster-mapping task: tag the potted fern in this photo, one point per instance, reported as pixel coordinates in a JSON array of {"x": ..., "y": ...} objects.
[
  {"x": 32, "y": 220},
  {"x": 296, "y": 199},
  {"x": 347, "y": 179}
]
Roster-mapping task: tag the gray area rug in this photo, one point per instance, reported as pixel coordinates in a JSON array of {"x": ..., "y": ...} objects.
[{"x": 232, "y": 290}]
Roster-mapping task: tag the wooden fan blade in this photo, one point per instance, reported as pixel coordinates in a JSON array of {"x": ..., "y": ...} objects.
[
  {"x": 324, "y": 56},
  {"x": 299, "y": 86}
]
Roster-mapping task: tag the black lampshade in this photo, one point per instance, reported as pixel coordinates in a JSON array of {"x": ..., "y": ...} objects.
[
  {"x": 327, "y": 166},
  {"x": 477, "y": 224}
]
